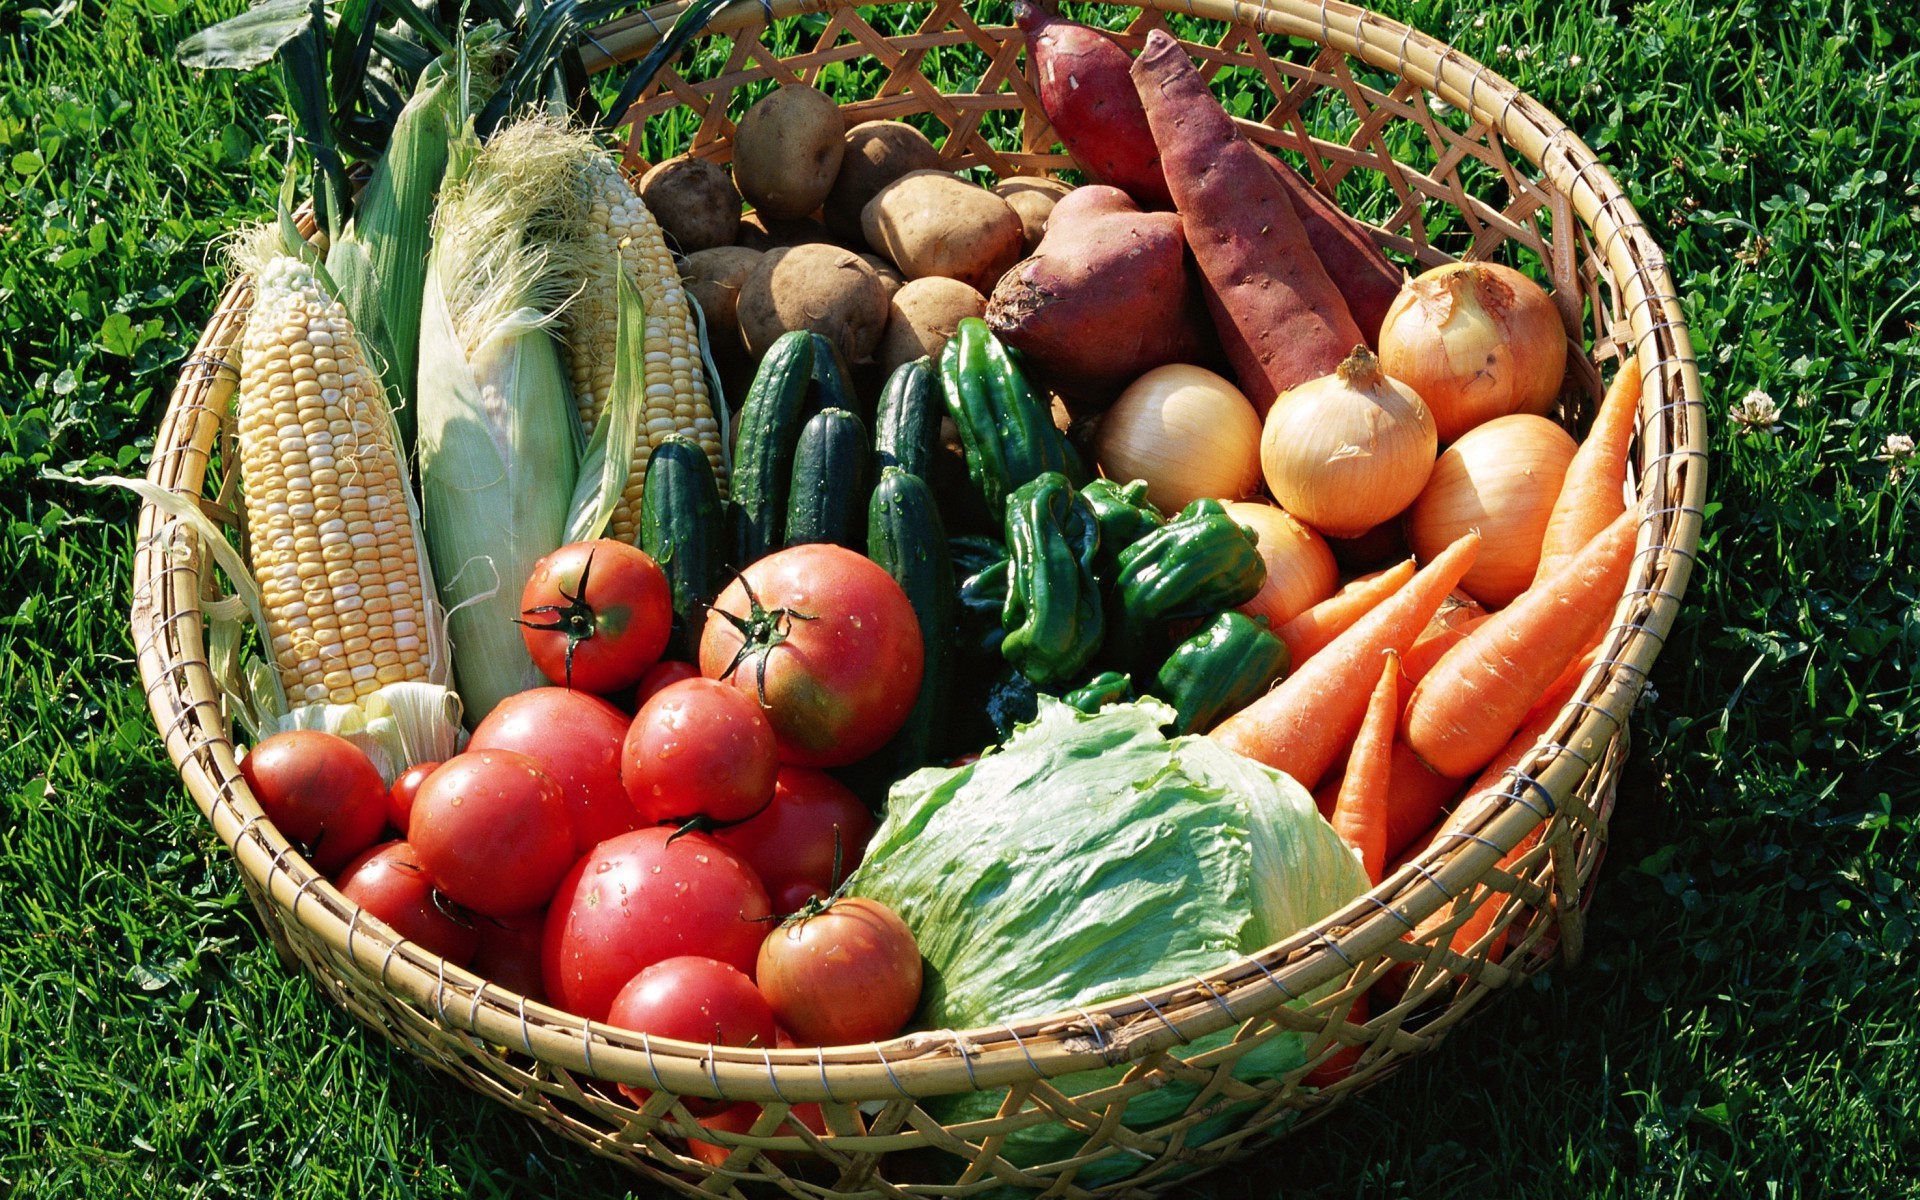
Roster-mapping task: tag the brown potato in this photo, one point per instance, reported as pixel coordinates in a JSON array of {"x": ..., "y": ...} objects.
[
  {"x": 787, "y": 151},
  {"x": 695, "y": 202},
  {"x": 890, "y": 277},
  {"x": 761, "y": 234},
  {"x": 933, "y": 223},
  {"x": 1033, "y": 197},
  {"x": 877, "y": 153},
  {"x": 818, "y": 287},
  {"x": 714, "y": 278},
  {"x": 923, "y": 316}
]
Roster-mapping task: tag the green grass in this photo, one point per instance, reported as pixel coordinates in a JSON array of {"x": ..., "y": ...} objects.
[{"x": 1745, "y": 1023}]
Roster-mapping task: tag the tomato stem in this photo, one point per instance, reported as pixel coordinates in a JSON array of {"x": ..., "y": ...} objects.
[
  {"x": 760, "y": 630},
  {"x": 575, "y": 618}
]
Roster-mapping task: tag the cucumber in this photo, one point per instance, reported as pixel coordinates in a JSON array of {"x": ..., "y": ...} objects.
[
  {"x": 906, "y": 429},
  {"x": 770, "y": 421},
  {"x": 905, "y": 537},
  {"x": 828, "y": 497},
  {"x": 680, "y": 527},
  {"x": 832, "y": 383}
]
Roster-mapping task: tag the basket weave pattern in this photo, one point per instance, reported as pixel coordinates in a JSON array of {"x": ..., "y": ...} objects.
[{"x": 1478, "y": 170}]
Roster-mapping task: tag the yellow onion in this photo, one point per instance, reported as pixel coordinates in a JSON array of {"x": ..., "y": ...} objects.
[
  {"x": 1186, "y": 431},
  {"x": 1349, "y": 450},
  {"x": 1502, "y": 479},
  {"x": 1477, "y": 340},
  {"x": 1300, "y": 568}
]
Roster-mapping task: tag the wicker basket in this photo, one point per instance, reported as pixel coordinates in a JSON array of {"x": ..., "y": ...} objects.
[{"x": 1480, "y": 167}]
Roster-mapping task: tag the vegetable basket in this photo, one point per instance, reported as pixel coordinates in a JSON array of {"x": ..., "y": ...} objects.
[{"x": 1471, "y": 167}]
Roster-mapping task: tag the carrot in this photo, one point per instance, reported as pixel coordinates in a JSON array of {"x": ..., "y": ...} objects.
[
  {"x": 1360, "y": 812},
  {"x": 1458, "y": 614},
  {"x": 1478, "y": 694},
  {"x": 1416, "y": 795},
  {"x": 1300, "y": 726},
  {"x": 1340, "y": 1064},
  {"x": 1280, "y": 318},
  {"x": 1309, "y": 633},
  {"x": 1593, "y": 492}
]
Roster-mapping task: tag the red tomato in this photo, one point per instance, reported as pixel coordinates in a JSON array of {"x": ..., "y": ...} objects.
[
  {"x": 793, "y": 840},
  {"x": 508, "y": 952},
  {"x": 596, "y": 615},
  {"x": 400, "y": 795},
  {"x": 576, "y": 739},
  {"x": 850, "y": 974},
  {"x": 698, "y": 748},
  {"x": 693, "y": 999},
  {"x": 492, "y": 831},
  {"x": 741, "y": 1117},
  {"x": 660, "y": 675},
  {"x": 321, "y": 791},
  {"x": 826, "y": 641},
  {"x": 791, "y": 897},
  {"x": 389, "y": 883},
  {"x": 640, "y": 898}
]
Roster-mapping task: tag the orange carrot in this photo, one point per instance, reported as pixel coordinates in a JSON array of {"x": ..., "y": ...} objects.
[
  {"x": 1360, "y": 812},
  {"x": 1455, "y": 620},
  {"x": 1594, "y": 490},
  {"x": 1478, "y": 694},
  {"x": 1562, "y": 688},
  {"x": 1307, "y": 634},
  {"x": 1416, "y": 794},
  {"x": 1340, "y": 1064},
  {"x": 1300, "y": 726}
]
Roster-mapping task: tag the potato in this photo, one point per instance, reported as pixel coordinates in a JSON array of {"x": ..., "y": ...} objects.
[
  {"x": 933, "y": 223},
  {"x": 761, "y": 234},
  {"x": 787, "y": 151},
  {"x": 714, "y": 278},
  {"x": 1033, "y": 197},
  {"x": 695, "y": 202},
  {"x": 818, "y": 287},
  {"x": 889, "y": 275},
  {"x": 923, "y": 316},
  {"x": 877, "y": 153}
]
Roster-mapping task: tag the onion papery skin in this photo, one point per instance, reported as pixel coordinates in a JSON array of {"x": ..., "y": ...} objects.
[
  {"x": 1191, "y": 434},
  {"x": 1502, "y": 479}
]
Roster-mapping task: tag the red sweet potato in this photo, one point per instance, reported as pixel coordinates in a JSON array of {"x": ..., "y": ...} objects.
[
  {"x": 1367, "y": 281},
  {"x": 1106, "y": 296},
  {"x": 1280, "y": 318},
  {"x": 1090, "y": 100}
]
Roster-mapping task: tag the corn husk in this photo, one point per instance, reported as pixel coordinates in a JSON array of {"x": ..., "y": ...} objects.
[{"x": 498, "y": 438}]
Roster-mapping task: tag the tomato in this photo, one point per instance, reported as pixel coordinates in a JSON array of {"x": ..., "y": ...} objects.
[
  {"x": 659, "y": 675},
  {"x": 641, "y": 898},
  {"x": 576, "y": 739},
  {"x": 321, "y": 792},
  {"x": 492, "y": 831},
  {"x": 827, "y": 643},
  {"x": 595, "y": 615},
  {"x": 400, "y": 796},
  {"x": 508, "y": 952},
  {"x": 741, "y": 1117},
  {"x": 793, "y": 841},
  {"x": 850, "y": 974},
  {"x": 388, "y": 882},
  {"x": 698, "y": 748},
  {"x": 693, "y": 999}
]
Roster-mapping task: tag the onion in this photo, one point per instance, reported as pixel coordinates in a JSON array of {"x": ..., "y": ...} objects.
[
  {"x": 1502, "y": 479},
  {"x": 1349, "y": 450},
  {"x": 1186, "y": 431},
  {"x": 1300, "y": 568},
  {"x": 1477, "y": 340}
]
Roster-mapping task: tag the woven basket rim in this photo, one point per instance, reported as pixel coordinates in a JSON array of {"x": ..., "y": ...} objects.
[{"x": 1671, "y": 468}]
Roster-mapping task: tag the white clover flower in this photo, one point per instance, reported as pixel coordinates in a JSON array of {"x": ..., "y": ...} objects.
[
  {"x": 1503, "y": 51},
  {"x": 1898, "y": 450},
  {"x": 1574, "y": 60},
  {"x": 1480, "y": 22},
  {"x": 1523, "y": 53},
  {"x": 1756, "y": 410}
]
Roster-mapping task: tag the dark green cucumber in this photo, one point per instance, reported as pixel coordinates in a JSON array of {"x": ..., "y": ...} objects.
[
  {"x": 827, "y": 501},
  {"x": 770, "y": 423},
  {"x": 905, "y": 537},
  {"x": 680, "y": 518},
  {"x": 906, "y": 427},
  {"x": 831, "y": 381}
]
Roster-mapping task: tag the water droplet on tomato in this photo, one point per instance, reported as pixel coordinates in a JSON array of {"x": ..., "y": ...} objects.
[{"x": 603, "y": 868}]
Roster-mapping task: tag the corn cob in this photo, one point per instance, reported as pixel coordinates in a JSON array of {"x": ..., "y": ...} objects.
[
  {"x": 628, "y": 238},
  {"x": 333, "y": 541}
]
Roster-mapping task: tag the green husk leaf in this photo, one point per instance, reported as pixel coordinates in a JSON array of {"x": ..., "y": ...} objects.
[{"x": 608, "y": 457}]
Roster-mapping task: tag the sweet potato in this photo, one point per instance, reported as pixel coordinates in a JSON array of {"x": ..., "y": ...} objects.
[
  {"x": 1091, "y": 102},
  {"x": 1106, "y": 296},
  {"x": 1367, "y": 281},
  {"x": 1280, "y": 318}
]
